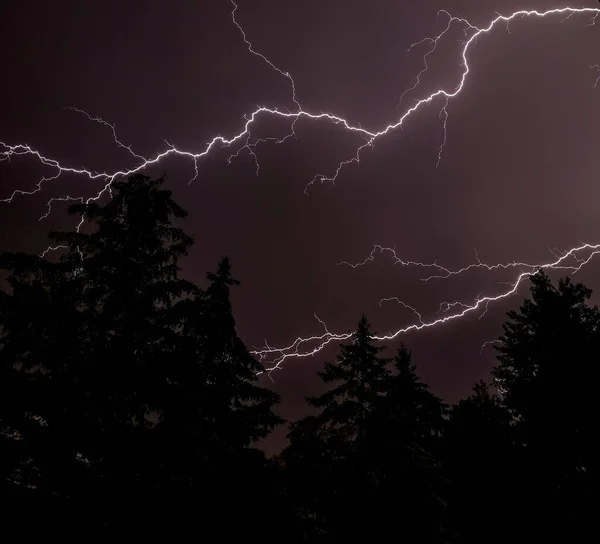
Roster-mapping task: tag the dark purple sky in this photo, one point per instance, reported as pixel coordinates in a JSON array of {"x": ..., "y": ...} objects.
[{"x": 518, "y": 174}]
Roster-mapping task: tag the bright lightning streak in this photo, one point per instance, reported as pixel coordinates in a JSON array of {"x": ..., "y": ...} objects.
[
  {"x": 295, "y": 350},
  {"x": 113, "y": 130},
  {"x": 7, "y": 151},
  {"x": 597, "y": 68},
  {"x": 433, "y": 42},
  {"x": 260, "y": 55},
  {"x": 368, "y": 137},
  {"x": 447, "y": 272}
]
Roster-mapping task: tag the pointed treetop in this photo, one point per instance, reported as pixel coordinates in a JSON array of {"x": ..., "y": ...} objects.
[
  {"x": 364, "y": 328},
  {"x": 403, "y": 361},
  {"x": 223, "y": 274}
]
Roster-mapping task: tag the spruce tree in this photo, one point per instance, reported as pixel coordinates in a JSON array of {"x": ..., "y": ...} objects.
[
  {"x": 327, "y": 459},
  {"x": 359, "y": 378},
  {"x": 124, "y": 387},
  {"x": 548, "y": 376},
  {"x": 479, "y": 465},
  {"x": 404, "y": 455},
  {"x": 41, "y": 463},
  {"x": 214, "y": 413},
  {"x": 92, "y": 347}
]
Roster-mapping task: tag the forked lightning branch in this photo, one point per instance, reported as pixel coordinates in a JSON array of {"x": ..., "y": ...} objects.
[{"x": 243, "y": 141}]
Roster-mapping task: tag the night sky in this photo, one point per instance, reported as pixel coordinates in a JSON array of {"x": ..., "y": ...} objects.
[{"x": 518, "y": 173}]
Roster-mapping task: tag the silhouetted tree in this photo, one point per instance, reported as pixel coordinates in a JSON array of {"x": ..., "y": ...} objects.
[
  {"x": 309, "y": 474},
  {"x": 327, "y": 453},
  {"x": 41, "y": 462},
  {"x": 125, "y": 387},
  {"x": 213, "y": 413},
  {"x": 403, "y": 445},
  {"x": 360, "y": 378},
  {"x": 479, "y": 463},
  {"x": 247, "y": 408},
  {"x": 128, "y": 268},
  {"x": 548, "y": 377}
]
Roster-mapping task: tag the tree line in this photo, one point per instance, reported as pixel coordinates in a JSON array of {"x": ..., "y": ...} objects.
[{"x": 129, "y": 406}]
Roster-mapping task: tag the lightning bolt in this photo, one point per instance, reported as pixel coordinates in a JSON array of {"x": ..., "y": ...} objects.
[
  {"x": 444, "y": 272},
  {"x": 303, "y": 347}
]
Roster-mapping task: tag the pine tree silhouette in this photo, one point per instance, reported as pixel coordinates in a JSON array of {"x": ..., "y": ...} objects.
[
  {"x": 212, "y": 415},
  {"x": 326, "y": 459},
  {"x": 404, "y": 443},
  {"x": 125, "y": 387},
  {"x": 128, "y": 268},
  {"x": 548, "y": 379},
  {"x": 41, "y": 459},
  {"x": 480, "y": 467}
]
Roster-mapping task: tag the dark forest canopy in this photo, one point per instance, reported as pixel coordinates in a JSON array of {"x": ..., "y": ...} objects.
[{"x": 130, "y": 406}]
